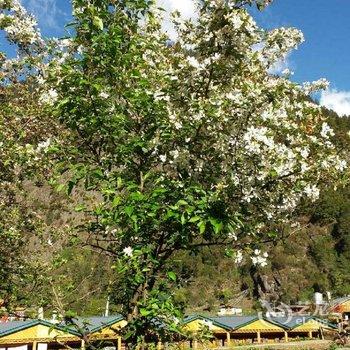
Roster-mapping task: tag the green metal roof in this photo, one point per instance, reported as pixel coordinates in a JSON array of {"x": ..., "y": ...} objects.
[
  {"x": 7, "y": 328},
  {"x": 91, "y": 324},
  {"x": 76, "y": 327}
]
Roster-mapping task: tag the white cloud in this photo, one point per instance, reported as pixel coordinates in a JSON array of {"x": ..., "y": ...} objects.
[
  {"x": 187, "y": 9},
  {"x": 47, "y": 12},
  {"x": 338, "y": 101}
]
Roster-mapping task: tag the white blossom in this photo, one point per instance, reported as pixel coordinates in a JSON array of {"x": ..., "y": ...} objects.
[
  {"x": 44, "y": 145},
  {"x": 238, "y": 257},
  {"x": 40, "y": 80},
  {"x": 312, "y": 192},
  {"x": 326, "y": 131},
  {"x": 178, "y": 125},
  {"x": 49, "y": 97},
  {"x": 341, "y": 165},
  {"x": 162, "y": 158},
  {"x": 258, "y": 259},
  {"x": 174, "y": 154},
  {"x": 321, "y": 84},
  {"x": 103, "y": 95},
  {"x": 128, "y": 251},
  {"x": 194, "y": 62},
  {"x": 305, "y": 152},
  {"x": 232, "y": 235}
]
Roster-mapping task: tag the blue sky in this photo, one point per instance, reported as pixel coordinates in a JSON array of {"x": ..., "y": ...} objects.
[
  {"x": 325, "y": 24},
  {"x": 326, "y": 50},
  {"x": 326, "y": 27}
]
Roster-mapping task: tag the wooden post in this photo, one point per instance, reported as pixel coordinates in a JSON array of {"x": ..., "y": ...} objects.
[
  {"x": 82, "y": 344},
  {"x": 35, "y": 345},
  {"x": 119, "y": 343},
  {"x": 310, "y": 334},
  {"x": 195, "y": 344},
  {"x": 285, "y": 336},
  {"x": 258, "y": 337},
  {"x": 321, "y": 333},
  {"x": 228, "y": 339}
]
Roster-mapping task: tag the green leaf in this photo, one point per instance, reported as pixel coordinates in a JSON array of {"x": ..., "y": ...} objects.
[
  {"x": 108, "y": 191},
  {"x": 217, "y": 225},
  {"x": 71, "y": 313},
  {"x": 172, "y": 275},
  {"x": 60, "y": 187},
  {"x": 98, "y": 210},
  {"x": 97, "y": 21},
  {"x": 229, "y": 252},
  {"x": 272, "y": 234},
  {"x": 202, "y": 226},
  {"x": 145, "y": 312},
  {"x": 116, "y": 201},
  {"x": 195, "y": 218},
  {"x": 129, "y": 210},
  {"x": 128, "y": 335},
  {"x": 80, "y": 207},
  {"x": 273, "y": 173}
]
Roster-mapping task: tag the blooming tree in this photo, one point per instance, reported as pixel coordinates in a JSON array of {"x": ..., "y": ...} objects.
[{"x": 184, "y": 143}]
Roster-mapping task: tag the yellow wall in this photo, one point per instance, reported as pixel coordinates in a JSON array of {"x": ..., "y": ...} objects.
[
  {"x": 197, "y": 325},
  {"x": 259, "y": 325},
  {"x": 109, "y": 331},
  {"x": 37, "y": 333}
]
